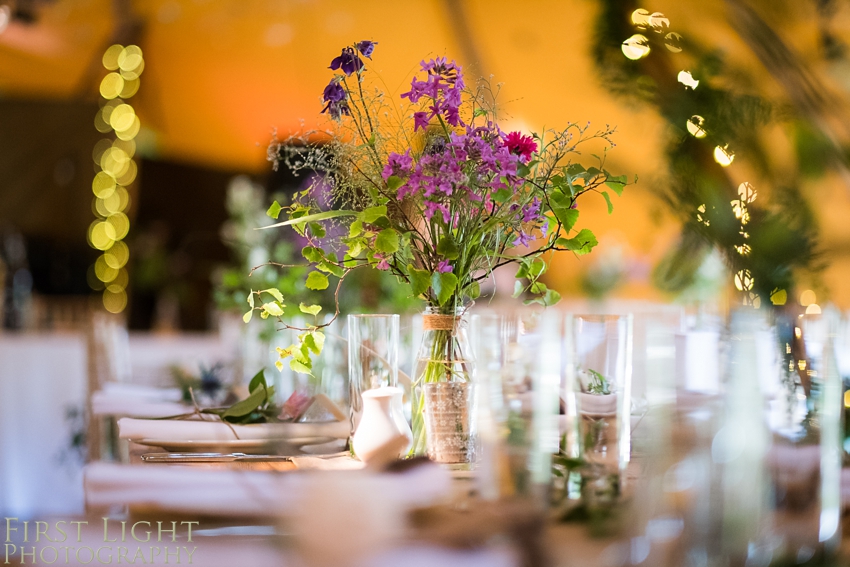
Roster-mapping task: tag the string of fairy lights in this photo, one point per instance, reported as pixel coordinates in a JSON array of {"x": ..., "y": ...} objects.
[{"x": 115, "y": 172}]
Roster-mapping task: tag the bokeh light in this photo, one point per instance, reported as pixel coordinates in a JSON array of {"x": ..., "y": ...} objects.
[
  {"x": 687, "y": 79},
  {"x": 636, "y": 47},
  {"x": 808, "y": 297},
  {"x": 723, "y": 155}
]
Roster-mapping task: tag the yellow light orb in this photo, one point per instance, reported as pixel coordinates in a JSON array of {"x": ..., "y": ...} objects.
[
  {"x": 122, "y": 279},
  {"x": 104, "y": 271},
  {"x": 128, "y": 146},
  {"x": 640, "y": 18},
  {"x": 636, "y": 47},
  {"x": 131, "y": 87},
  {"x": 130, "y": 132},
  {"x": 111, "y": 86},
  {"x": 130, "y": 175},
  {"x": 101, "y": 235},
  {"x": 744, "y": 280},
  {"x": 114, "y": 301},
  {"x": 807, "y": 298},
  {"x": 117, "y": 256},
  {"x": 747, "y": 192},
  {"x": 130, "y": 58},
  {"x": 723, "y": 155},
  {"x": 103, "y": 185},
  {"x": 687, "y": 79},
  {"x": 122, "y": 117},
  {"x": 694, "y": 125},
  {"x": 813, "y": 309},
  {"x": 120, "y": 223},
  {"x": 110, "y": 56}
]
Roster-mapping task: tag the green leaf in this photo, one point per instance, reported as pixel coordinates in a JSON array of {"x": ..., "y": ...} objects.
[
  {"x": 575, "y": 169},
  {"x": 394, "y": 182},
  {"x": 474, "y": 290},
  {"x": 518, "y": 289},
  {"x": 355, "y": 248},
  {"x": 444, "y": 286},
  {"x": 581, "y": 244},
  {"x": 537, "y": 268},
  {"x": 355, "y": 229},
  {"x": 501, "y": 195},
  {"x": 274, "y": 210},
  {"x": 566, "y": 216},
  {"x": 330, "y": 268},
  {"x": 274, "y": 309},
  {"x": 310, "y": 309},
  {"x": 420, "y": 280},
  {"x": 257, "y": 381},
  {"x": 300, "y": 367},
  {"x": 315, "y": 341},
  {"x": 274, "y": 293},
  {"x": 251, "y": 299},
  {"x": 317, "y": 281},
  {"x": 387, "y": 241},
  {"x": 317, "y": 230},
  {"x": 551, "y": 297},
  {"x": 608, "y": 200},
  {"x": 447, "y": 248},
  {"x": 522, "y": 170},
  {"x": 247, "y": 316},
  {"x": 372, "y": 214},
  {"x": 246, "y": 406},
  {"x": 617, "y": 183},
  {"x": 313, "y": 254},
  {"x": 312, "y": 218}
]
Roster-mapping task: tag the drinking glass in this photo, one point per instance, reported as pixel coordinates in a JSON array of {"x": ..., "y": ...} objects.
[
  {"x": 599, "y": 373},
  {"x": 518, "y": 375},
  {"x": 372, "y": 358}
]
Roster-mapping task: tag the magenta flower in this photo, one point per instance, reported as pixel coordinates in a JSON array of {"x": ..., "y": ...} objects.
[
  {"x": 444, "y": 267},
  {"x": 382, "y": 262},
  {"x": 421, "y": 120},
  {"x": 348, "y": 61},
  {"x": 431, "y": 208},
  {"x": 366, "y": 47},
  {"x": 398, "y": 164},
  {"x": 520, "y": 145}
]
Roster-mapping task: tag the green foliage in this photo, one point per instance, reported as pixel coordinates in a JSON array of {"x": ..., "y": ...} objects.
[{"x": 598, "y": 383}]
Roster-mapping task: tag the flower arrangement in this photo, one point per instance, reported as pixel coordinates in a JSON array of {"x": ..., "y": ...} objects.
[{"x": 434, "y": 192}]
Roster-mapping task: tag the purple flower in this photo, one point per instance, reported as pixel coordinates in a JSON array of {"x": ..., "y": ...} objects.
[
  {"x": 398, "y": 164},
  {"x": 366, "y": 47},
  {"x": 432, "y": 207},
  {"x": 523, "y": 239},
  {"x": 531, "y": 212},
  {"x": 348, "y": 61},
  {"x": 444, "y": 267},
  {"x": 382, "y": 262},
  {"x": 334, "y": 95},
  {"x": 420, "y": 120}
]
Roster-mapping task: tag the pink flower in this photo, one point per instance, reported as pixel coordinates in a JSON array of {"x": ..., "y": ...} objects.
[
  {"x": 444, "y": 267},
  {"x": 398, "y": 164},
  {"x": 382, "y": 264},
  {"x": 520, "y": 145}
]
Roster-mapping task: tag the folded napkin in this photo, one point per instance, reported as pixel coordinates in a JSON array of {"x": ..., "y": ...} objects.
[
  {"x": 106, "y": 403},
  {"x": 600, "y": 405},
  {"x": 342, "y": 463},
  {"x": 239, "y": 493},
  {"x": 198, "y": 430},
  {"x": 141, "y": 391}
]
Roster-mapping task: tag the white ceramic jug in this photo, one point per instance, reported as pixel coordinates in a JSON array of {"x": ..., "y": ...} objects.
[{"x": 382, "y": 422}]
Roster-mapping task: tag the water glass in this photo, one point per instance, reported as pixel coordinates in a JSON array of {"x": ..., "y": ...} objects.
[{"x": 372, "y": 357}]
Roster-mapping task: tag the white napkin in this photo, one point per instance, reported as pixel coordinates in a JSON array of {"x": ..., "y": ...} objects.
[
  {"x": 197, "y": 430},
  {"x": 104, "y": 403},
  {"x": 343, "y": 463},
  {"x": 241, "y": 493},
  {"x": 600, "y": 405}
]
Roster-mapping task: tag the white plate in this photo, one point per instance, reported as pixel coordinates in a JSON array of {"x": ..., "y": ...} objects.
[{"x": 231, "y": 445}]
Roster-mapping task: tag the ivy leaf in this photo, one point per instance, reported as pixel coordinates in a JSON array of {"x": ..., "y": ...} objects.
[
  {"x": 317, "y": 281},
  {"x": 420, "y": 280},
  {"x": 274, "y": 293},
  {"x": 372, "y": 214},
  {"x": 447, "y": 248},
  {"x": 444, "y": 286},
  {"x": 317, "y": 230},
  {"x": 394, "y": 182},
  {"x": 566, "y": 216},
  {"x": 300, "y": 367},
  {"x": 518, "y": 289},
  {"x": 310, "y": 309},
  {"x": 608, "y": 200},
  {"x": 387, "y": 241},
  {"x": 581, "y": 244},
  {"x": 274, "y": 210},
  {"x": 313, "y": 254},
  {"x": 274, "y": 309},
  {"x": 247, "y": 316},
  {"x": 355, "y": 229},
  {"x": 315, "y": 341}
]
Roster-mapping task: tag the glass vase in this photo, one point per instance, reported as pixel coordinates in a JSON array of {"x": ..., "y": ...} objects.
[{"x": 444, "y": 356}]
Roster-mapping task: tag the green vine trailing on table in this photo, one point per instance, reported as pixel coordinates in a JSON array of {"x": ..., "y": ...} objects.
[{"x": 433, "y": 192}]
